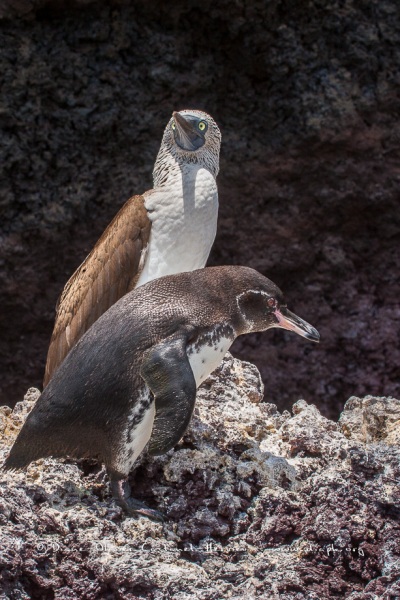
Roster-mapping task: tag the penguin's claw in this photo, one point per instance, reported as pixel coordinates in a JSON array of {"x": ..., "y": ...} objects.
[{"x": 135, "y": 508}]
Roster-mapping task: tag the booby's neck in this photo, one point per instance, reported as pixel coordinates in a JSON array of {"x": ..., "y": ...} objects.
[
  {"x": 183, "y": 213},
  {"x": 175, "y": 177},
  {"x": 171, "y": 165}
]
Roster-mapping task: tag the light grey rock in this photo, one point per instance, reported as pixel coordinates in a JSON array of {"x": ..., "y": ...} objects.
[{"x": 257, "y": 505}]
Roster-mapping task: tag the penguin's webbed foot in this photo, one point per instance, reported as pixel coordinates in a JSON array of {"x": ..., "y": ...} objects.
[{"x": 134, "y": 508}]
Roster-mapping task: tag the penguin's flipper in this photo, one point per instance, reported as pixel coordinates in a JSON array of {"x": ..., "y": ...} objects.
[{"x": 167, "y": 372}]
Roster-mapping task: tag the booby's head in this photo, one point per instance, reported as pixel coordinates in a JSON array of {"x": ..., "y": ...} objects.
[
  {"x": 263, "y": 306},
  {"x": 191, "y": 137}
]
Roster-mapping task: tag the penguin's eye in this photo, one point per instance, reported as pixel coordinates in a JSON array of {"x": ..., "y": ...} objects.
[
  {"x": 202, "y": 125},
  {"x": 173, "y": 125},
  {"x": 271, "y": 302}
]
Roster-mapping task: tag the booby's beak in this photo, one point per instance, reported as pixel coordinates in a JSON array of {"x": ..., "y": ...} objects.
[
  {"x": 290, "y": 321},
  {"x": 186, "y": 134}
]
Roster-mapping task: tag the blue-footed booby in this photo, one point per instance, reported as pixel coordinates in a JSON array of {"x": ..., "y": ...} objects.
[{"x": 169, "y": 229}]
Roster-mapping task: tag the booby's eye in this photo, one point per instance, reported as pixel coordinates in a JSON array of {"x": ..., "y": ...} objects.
[
  {"x": 173, "y": 125},
  {"x": 202, "y": 125},
  {"x": 271, "y": 302}
]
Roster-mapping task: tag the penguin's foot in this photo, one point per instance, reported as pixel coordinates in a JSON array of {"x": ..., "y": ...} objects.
[
  {"x": 135, "y": 508},
  {"x": 121, "y": 492}
]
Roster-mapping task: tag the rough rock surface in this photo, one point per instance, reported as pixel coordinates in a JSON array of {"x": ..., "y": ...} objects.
[
  {"x": 258, "y": 504},
  {"x": 307, "y": 96}
]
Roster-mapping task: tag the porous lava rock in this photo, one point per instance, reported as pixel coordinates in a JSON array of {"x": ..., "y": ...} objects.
[
  {"x": 307, "y": 97},
  {"x": 258, "y": 504}
]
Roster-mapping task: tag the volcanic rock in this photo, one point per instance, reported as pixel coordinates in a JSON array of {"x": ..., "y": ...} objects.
[{"x": 258, "y": 504}]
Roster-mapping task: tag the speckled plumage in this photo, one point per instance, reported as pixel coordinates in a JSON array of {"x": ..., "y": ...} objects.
[
  {"x": 170, "y": 156},
  {"x": 132, "y": 378}
]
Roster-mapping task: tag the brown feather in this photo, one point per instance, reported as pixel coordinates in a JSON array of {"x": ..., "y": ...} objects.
[{"x": 107, "y": 274}]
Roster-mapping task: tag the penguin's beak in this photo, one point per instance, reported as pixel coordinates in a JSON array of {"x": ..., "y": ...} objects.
[
  {"x": 290, "y": 321},
  {"x": 186, "y": 135}
]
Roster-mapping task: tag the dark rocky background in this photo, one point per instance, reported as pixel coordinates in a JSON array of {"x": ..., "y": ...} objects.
[{"x": 307, "y": 97}]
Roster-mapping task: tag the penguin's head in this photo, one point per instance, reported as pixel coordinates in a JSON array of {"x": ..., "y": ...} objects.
[
  {"x": 191, "y": 137},
  {"x": 264, "y": 306}
]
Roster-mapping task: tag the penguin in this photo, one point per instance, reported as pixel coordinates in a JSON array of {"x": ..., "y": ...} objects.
[
  {"x": 131, "y": 379},
  {"x": 167, "y": 230}
]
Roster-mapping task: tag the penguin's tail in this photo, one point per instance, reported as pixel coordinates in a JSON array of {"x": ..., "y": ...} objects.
[
  {"x": 17, "y": 459},
  {"x": 14, "y": 464},
  {"x": 30, "y": 444},
  {"x": 24, "y": 450}
]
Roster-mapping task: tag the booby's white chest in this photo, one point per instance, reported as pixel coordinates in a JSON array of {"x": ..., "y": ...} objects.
[
  {"x": 206, "y": 354},
  {"x": 184, "y": 223}
]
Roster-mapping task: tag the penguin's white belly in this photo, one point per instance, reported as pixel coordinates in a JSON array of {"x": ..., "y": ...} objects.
[
  {"x": 184, "y": 224},
  {"x": 138, "y": 430},
  {"x": 206, "y": 356}
]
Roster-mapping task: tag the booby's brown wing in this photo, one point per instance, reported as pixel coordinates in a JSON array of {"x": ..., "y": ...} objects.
[{"x": 107, "y": 274}]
